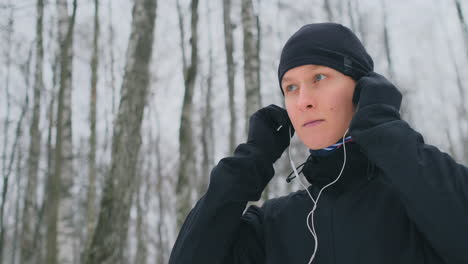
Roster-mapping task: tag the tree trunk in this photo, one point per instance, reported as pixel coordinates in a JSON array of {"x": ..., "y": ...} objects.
[
  {"x": 111, "y": 56},
  {"x": 40, "y": 233},
  {"x": 60, "y": 229},
  {"x": 207, "y": 119},
  {"x": 30, "y": 203},
  {"x": 11, "y": 159},
  {"x": 16, "y": 150},
  {"x": 388, "y": 52},
  {"x": 110, "y": 236},
  {"x": 251, "y": 45},
  {"x": 19, "y": 171},
  {"x": 360, "y": 29},
  {"x": 462, "y": 110},
  {"x": 6, "y": 127},
  {"x": 161, "y": 242},
  {"x": 91, "y": 196},
  {"x": 405, "y": 111},
  {"x": 463, "y": 24},
  {"x": 328, "y": 10},
  {"x": 141, "y": 207},
  {"x": 187, "y": 169},
  {"x": 231, "y": 71},
  {"x": 351, "y": 16},
  {"x": 251, "y": 60}
]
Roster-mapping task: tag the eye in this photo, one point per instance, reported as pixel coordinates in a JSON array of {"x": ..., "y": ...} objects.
[
  {"x": 291, "y": 88},
  {"x": 319, "y": 77}
]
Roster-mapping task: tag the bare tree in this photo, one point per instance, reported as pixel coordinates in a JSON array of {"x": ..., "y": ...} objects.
[
  {"x": 251, "y": 60},
  {"x": 40, "y": 228},
  {"x": 207, "y": 119},
  {"x": 463, "y": 24},
  {"x": 12, "y": 156},
  {"x": 251, "y": 46},
  {"x": 231, "y": 68},
  {"x": 6, "y": 127},
  {"x": 91, "y": 198},
  {"x": 328, "y": 10},
  {"x": 161, "y": 243},
  {"x": 30, "y": 202},
  {"x": 351, "y": 16},
  {"x": 111, "y": 56},
  {"x": 387, "y": 45},
  {"x": 60, "y": 229},
  {"x": 19, "y": 171},
  {"x": 462, "y": 109},
  {"x": 141, "y": 203},
  {"x": 110, "y": 236},
  {"x": 405, "y": 110},
  {"x": 187, "y": 168},
  {"x": 25, "y": 69},
  {"x": 358, "y": 20},
  {"x": 43, "y": 211}
]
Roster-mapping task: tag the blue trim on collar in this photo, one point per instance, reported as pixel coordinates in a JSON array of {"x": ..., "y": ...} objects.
[{"x": 330, "y": 149}]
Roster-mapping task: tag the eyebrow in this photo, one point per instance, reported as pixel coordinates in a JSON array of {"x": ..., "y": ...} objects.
[
  {"x": 315, "y": 68},
  {"x": 285, "y": 79}
]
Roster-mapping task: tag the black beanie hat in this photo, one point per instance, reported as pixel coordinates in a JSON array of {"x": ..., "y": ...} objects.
[{"x": 327, "y": 44}]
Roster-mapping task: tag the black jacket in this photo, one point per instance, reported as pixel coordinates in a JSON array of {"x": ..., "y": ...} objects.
[{"x": 398, "y": 200}]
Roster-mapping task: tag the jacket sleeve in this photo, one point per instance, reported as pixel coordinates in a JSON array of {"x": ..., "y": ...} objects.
[
  {"x": 216, "y": 230},
  {"x": 432, "y": 186}
]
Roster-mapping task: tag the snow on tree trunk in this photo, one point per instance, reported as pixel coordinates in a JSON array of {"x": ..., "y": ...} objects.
[
  {"x": 463, "y": 24},
  {"x": 207, "y": 137},
  {"x": 187, "y": 169},
  {"x": 6, "y": 126},
  {"x": 110, "y": 236},
  {"x": 231, "y": 68},
  {"x": 328, "y": 10},
  {"x": 30, "y": 202},
  {"x": 251, "y": 60},
  {"x": 91, "y": 196},
  {"x": 162, "y": 247},
  {"x": 60, "y": 229}
]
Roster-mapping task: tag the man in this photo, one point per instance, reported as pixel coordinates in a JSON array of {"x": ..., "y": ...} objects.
[{"x": 378, "y": 193}]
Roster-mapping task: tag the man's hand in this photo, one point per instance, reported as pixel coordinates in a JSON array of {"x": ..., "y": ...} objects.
[
  {"x": 269, "y": 131},
  {"x": 378, "y": 101},
  {"x": 376, "y": 89}
]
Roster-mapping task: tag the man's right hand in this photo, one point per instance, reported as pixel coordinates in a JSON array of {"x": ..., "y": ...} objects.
[{"x": 269, "y": 131}]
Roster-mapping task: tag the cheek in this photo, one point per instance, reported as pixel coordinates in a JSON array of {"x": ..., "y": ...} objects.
[
  {"x": 338, "y": 108},
  {"x": 295, "y": 120},
  {"x": 333, "y": 104},
  {"x": 288, "y": 105},
  {"x": 292, "y": 117}
]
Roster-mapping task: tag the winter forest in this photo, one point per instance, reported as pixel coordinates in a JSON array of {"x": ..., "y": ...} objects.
[{"x": 113, "y": 112}]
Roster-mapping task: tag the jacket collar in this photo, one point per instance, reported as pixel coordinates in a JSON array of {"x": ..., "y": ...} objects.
[{"x": 320, "y": 170}]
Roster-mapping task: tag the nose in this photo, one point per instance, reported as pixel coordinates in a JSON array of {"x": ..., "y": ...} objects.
[{"x": 306, "y": 99}]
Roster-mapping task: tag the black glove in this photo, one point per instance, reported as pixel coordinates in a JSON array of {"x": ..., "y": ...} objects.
[
  {"x": 373, "y": 88},
  {"x": 269, "y": 131},
  {"x": 378, "y": 103}
]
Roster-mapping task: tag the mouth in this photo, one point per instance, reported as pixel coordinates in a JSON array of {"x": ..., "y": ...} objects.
[{"x": 312, "y": 123}]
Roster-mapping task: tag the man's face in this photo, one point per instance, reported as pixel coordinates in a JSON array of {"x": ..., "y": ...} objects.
[{"x": 314, "y": 92}]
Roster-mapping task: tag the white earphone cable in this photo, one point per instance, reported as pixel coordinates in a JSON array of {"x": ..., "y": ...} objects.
[{"x": 310, "y": 224}]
